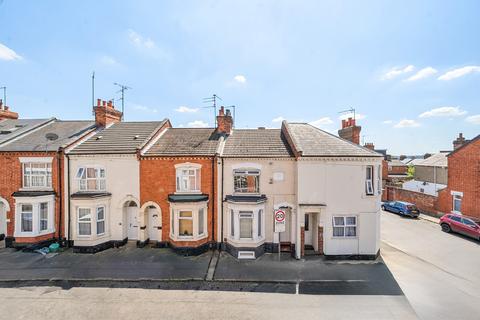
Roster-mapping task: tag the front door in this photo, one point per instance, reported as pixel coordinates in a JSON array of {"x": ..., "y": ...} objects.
[
  {"x": 308, "y": 229},
  {"x": 132, "y": 223},
  {"x": 153, "y": 224}
]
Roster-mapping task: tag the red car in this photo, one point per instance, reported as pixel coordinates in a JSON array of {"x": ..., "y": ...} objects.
[{"x": 461, "y": 224}]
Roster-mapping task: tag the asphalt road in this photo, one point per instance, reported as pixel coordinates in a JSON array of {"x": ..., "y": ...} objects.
[{"x": 438, "y": 272}]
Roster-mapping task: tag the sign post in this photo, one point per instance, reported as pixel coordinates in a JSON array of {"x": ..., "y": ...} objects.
[{"x": 279, "y": 220}]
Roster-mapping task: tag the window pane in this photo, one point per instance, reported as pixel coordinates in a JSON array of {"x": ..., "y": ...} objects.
[
  {"x": 26, "y": 222},
  {"x": 246, "y": 227},
  {"x": 339, "y": 221},
  {"x": 338, "y": 231},
  {"x": 197, "y": 179},
  {"x": 84, "y": 229},
  {"x": 185, "y": 214},
  {"x": 201, "y": 221},
  {"x": 186, "y": 227},
  {"x": 232, "y": 225},
  {"x": 27, "y": 208},
  {"x": 191, "y": 183},
  {"x": 100, "y": 227},
  {"x": 260, "y": 213},
  {"x": 100, "y": 213},
  {"x": 307, "y": 222},
  {"x": 80, "y": 173},
  {"x": 350, "y": 231},
  {"x": 43, "y": 216},
  {"x": 351, "y": 221},
  {"x": 91, "y": 172},
  {"x": 84, "y": 214}
]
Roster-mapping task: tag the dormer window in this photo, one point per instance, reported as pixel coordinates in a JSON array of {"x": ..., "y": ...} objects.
[
  {"x": 246, "y": 180},
  {"x": 188, "y": 177},
  {"x": 91, "y": 179}
]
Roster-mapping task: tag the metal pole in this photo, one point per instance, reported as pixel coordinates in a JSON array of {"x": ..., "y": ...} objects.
[
  {"x": 4, "y": 97},
  {"x": 93, "y": 89}
]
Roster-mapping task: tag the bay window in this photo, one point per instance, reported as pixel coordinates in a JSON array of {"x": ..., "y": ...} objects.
[
  {"x": 188, "y": 177},
  {"x": 35, "y": 215},
  {"x": 91, "y": 221},
  {"x": 344, "y": 226},
  {"x": 37, "y": 175},
  {"x": 246, "y": 180},
  {"x": 91, "y": 179},
  {"x": 247, "y": 223},
  {"x": 188, "y": 221},
  {"x": 84, "y": 222}
]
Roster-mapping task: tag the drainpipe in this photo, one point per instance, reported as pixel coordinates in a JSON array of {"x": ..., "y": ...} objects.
[
  {"x": 60, "y": 180},
  {"x": 221, "y": 201},
  {"x": 69, "y": 204},
  {"x": 214, "y": 161}
]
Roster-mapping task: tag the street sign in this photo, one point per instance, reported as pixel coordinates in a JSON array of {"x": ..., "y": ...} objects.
[{"x": 279, "y": 219}]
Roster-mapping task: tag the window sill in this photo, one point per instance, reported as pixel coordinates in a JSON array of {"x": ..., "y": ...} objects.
[
  {"x": 33, "y": 234},
  {"x": 456, "y": 212},
  {"x": 345, "y": 238},
  {"x": 188, "y": 192},
  {"x": 36, "y": 189},
  {"x": 192, "y": 238}
]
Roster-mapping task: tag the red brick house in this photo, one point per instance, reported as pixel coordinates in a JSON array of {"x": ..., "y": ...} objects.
[
  {"x": 178, "y": 173},
  {"x": 31, "y": 173},
  {"x": 462, "y": 194}
]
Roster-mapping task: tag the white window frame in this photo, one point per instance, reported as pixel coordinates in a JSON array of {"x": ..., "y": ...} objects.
[
  {"x": 82, "y": 178},
  {"x": 35, "y": 202},
  {"x": 457, "y": 196},
  {"x": 245, "y": 172},
  {"x": 369, "y": 189},
  {"x": 345, "y": 225},
  {"x": 258, "y": 222},
  {"x": 201, "y": 222},
  {"x": 181, "y": 178},
  {"x": 379, "y": 179},
  {"x": 43, "y": 219},
  {"x": 45, "y": 175},
  {"x": 180, "y": 218},
  {"x": 89, "y": 221},
  {"x": 246, "y": 215},
  {"x": 195, "y": 208},
  {"x": 98, "y": 220},
  {"x": 26, "y": 212}
]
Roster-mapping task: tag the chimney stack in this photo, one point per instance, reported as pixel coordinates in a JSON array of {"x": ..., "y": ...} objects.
[
  {"x": 5, "y": 113},
  {"x": 105, "y": 113},
  {"x": 460, "y": 141},
  {"x": 224, "y": 121},
  {"x": 350, "y": 131},
  {"x": 369, "y": 145}
]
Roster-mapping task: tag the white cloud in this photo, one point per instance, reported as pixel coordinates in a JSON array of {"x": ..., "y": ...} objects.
[
  {"x": 144, "y": 108},
  {"x": 198, "y": 124},
  {"x": 185, "y": 109},
  {"x": 278, "y": 119},
  {"x": 421, "y": 74},
  {"x": 140, "y": 41},
  {"x": 475, "y": 119},
  {"x": 358, "y": 116},
  {"x": 443, "y": 112},
  {"x": 325, "y": 121},
  {"x": 406, "y": 123},
  {"x": 460, "y": 72},
  {"x": 8, "y": 54},
  {"x": 388, "y": 122},
  {"x": 240, "y": 78},
  {"x": 108, "y": 60},
  {"x": 395, "y": 72}
]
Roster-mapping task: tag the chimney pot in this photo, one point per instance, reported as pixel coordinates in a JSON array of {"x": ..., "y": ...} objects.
[
  {"x": 350, "y": 131},
  {"x": 224, "y": 121},
  {"x": 105, "y": 113}
]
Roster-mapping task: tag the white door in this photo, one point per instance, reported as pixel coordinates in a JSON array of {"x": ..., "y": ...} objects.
[
  {"x": 3, "y": 220},
  {"x": 285, "y": 236},
  {"x": 308, "y": 229},
  {"x": 153, "y": 224},
  {"x": 132, "y": 223}
]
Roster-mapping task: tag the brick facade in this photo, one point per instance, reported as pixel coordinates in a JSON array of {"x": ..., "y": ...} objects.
[
  {"x": 320, "y": 240},
  {"x": 463, "y": 176},
  {"x": 424, "y": 202},
  {"x": 11, "y": 181},
  {"x": 158, "y": 180},
  {"x": 302, "y": 242}
]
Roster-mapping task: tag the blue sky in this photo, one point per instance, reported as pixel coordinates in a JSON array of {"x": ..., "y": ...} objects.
[{"x": 411, "y": 69}]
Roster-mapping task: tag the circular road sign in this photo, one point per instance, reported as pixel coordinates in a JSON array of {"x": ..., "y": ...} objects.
[{"x": 279, "y": 216}]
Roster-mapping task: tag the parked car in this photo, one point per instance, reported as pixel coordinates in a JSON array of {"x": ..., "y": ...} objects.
[
  {"x": 401, "y": 207},
  {"x": 467, "y": 226}
]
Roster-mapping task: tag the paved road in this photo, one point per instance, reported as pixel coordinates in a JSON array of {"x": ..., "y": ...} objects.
[
  {"x": 438, "y": 272},
  {"x": 121, "y": 303}
]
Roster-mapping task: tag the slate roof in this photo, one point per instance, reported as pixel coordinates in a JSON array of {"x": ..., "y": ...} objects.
[
  {"x": 121, "y": 137},
  {"x": 186, "y": 141},
  {"x": 436, "y": 160},
  {"x": 10, "y": 128},
  {"x": 67, "y": 132},
  {"x": 314, "y": 142},
  {"x": 396, "y": 163},
  {"x": 256, "y": 143}
]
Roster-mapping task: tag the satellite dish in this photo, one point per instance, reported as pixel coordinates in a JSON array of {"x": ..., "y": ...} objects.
[{"x": 51, "y": 136}]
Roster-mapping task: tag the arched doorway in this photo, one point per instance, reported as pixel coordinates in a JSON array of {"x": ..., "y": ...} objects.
[
  {"x": 132, "y": 220},
  {"x": 153, "y": 221}
]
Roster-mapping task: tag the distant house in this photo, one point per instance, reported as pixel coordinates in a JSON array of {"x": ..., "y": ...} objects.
[
  {"x": 397, "y": 170},
  {"x": 430, "y": 175},
  {"x": 462, "y": 194}
]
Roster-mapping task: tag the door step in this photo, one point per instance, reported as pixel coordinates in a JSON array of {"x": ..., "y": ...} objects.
[{"x": 285, "y": 247}]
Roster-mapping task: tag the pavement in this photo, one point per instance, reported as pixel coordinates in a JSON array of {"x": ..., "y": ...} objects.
[{"x": 438, "y": 272}]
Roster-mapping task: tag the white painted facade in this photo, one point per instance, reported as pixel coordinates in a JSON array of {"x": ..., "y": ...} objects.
[
  {"x": 335, "y": 187},
  {"x": 123, "y": 215}
]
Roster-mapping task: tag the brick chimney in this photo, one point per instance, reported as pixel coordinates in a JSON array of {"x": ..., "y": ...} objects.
[
  {"x": 224, "y": 121},
  {"x": 460, "y": 141},
  {"x": 5, "y": 113},
  {"x": 350, "y": 131},
  {"x": 105, "y": 113},
  {"x": 369, "y": 145}
]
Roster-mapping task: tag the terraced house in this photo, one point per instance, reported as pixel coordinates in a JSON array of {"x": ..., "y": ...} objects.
[
  {"x": 103, "y": 172},
  {"x": 31, "y": 173}
]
